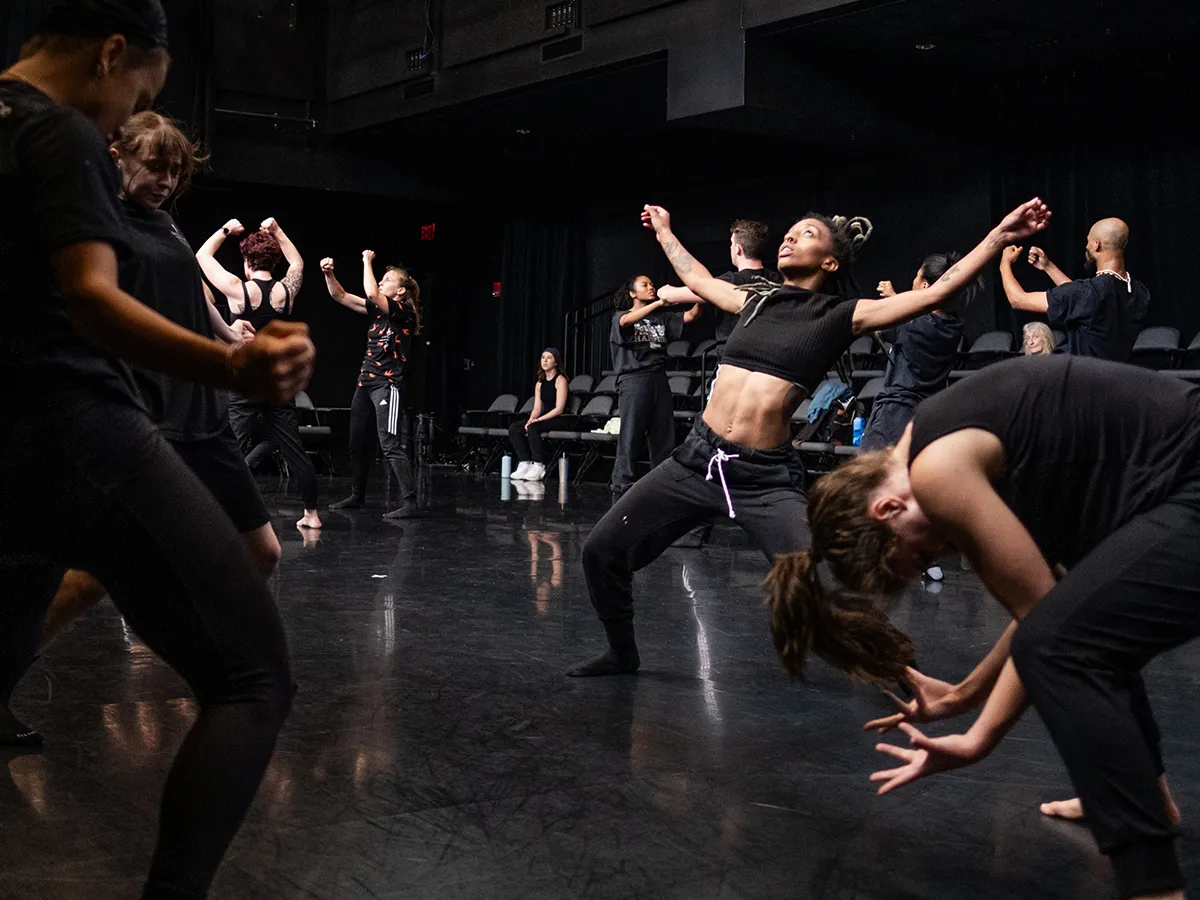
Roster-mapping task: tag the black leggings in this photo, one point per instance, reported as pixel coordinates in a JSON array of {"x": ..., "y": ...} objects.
[
  {"x": 112, "y": 498},
  {"x": 283, "y": 427},
  {"x": 646, "y": 409},
  {"x": 528, "y": 442},
  {"x": 1079, "y": 655},
  {"x": 766, "y": 488},
  {"x": 379, "y": 407}
]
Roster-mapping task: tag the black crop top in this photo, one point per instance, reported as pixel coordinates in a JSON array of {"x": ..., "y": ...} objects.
[
  {"x": 791, "y": 333},
  {"x": 1088, "y": 444},
  {"x": 262, "y": 315}
]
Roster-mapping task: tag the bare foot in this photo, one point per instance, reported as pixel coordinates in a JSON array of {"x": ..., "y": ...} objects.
[
  {"x": 310, "y": 520},
  {"x": 1073, "y": 809},
  {"x": 1063, "y": 809}
]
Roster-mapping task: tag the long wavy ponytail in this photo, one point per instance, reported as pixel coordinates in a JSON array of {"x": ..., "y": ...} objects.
[{"x": 846, "y": 628}]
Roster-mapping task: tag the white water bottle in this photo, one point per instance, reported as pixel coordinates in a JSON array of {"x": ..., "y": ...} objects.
[{"x": 505, "y": 466}]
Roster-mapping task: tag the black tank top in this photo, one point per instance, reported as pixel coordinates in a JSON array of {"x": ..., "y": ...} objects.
[
  {"x": 263, "y": 314},
  {"x": 1088, "y": 444},
  {"x": 549, "y": 394}
]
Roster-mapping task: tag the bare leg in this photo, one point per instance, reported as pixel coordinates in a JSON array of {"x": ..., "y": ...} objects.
[
  {"x": 77, "y": 593},
  {"x": 264, "y": 548}
]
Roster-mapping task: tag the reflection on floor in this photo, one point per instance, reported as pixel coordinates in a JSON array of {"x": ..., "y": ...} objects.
[{"x": 437, "y": 751}]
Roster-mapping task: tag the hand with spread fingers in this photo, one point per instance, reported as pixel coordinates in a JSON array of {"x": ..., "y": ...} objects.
[
  {"x": 927, "y": 756},
  {"x": 932, "y": 700}
]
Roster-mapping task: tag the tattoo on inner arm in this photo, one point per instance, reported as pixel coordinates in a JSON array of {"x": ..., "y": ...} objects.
[{"x": 679, "y": 258}]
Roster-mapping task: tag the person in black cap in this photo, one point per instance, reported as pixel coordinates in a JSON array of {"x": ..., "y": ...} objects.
[
  {"x": 112, "y": 497},
  {"x": 394, "y": 305},
  {"x": 549, "y": 402}
]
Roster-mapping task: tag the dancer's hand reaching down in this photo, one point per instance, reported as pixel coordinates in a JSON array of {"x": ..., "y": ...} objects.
[
  {"x": 1009, "y": 255},
  {"x": 327, "y": 265},
  {"x": 234, "y": 227},
  {"x": 1038, "y": 259},
  {"x": 1027, "y": 219},
  {"x": 886, "y": 289},
  {"x": 656, "y": 218},
  {"x": 932, "y": 700},
  {"x": 277, "y": 365},
  {"x": 927, "y": 756}
]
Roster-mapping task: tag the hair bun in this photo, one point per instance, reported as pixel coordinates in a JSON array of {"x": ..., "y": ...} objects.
[{"x": 859, "y": 229}]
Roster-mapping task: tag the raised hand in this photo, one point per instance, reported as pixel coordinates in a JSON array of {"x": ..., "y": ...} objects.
[
  {"x": 932, "y": 700},
  {"x": 656, "y": 218},
  {"x": 368, "y": 256},
  {"x": 1027, "y": 219},
  {"x": 1009, "y": 255},
  {"x": 1038, "y": 259},
  {"x": 886, "y": 289},
  {"x": 928, "y": 756},
  {"x": 269, "y": 225},
  {"x": 327, "y": 265},
  {"x": 277, "y": 365},
  {"x": 233, "y": 226}
]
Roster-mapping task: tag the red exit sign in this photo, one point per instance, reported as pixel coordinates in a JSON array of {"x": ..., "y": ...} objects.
[{"x": 429, "y": 232}]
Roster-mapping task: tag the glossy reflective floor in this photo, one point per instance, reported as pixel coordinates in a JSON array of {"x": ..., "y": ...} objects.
[{"x": 437, "y": 751}]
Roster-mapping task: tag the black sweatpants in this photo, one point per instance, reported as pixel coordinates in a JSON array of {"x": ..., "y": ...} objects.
[
  {"x": 646, "y": 410},
  {"x": 766, "y": 489},
  {"x": 378, "y": 407},
  {"x": 89, "y": 483},
  {"x": 527, "y": 443},
  {"x": 282, "y": 424},
  {"x": 889, "y": 417},
  {"x": 1079, "y": 654}
]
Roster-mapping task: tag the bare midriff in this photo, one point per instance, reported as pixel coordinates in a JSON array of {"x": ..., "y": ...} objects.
[{"x": 752, "y": 408}]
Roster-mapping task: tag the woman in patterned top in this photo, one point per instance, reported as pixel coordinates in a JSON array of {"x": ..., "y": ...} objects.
[{"x": 393, "y": 305}]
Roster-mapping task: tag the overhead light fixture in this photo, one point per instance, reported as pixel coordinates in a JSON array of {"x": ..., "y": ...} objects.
[
  {"x": 926, "y": 46},
  {"x": 523, "y": 131}
]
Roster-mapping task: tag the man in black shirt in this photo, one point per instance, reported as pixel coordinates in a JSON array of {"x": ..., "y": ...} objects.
[{"x": 1098, "y": 314}]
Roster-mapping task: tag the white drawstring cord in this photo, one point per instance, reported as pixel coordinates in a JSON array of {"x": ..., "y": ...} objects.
[{"x": 720, "y": 458}]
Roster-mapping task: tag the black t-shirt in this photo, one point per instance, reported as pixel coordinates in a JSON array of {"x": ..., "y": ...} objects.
[
  {"x": 389, "y": 338},
  {"x": 163, "y": 274},
  {"x": 1099, "y": 315},
  {"x": 923, "y": 353},
  {"x": 58, "y": 187},
  {"x": 791, "y": 333},
  {"x": 726, "y": 321},
  {"x": 642, "y": 346},
  {"x": 1088, "y": 444}
]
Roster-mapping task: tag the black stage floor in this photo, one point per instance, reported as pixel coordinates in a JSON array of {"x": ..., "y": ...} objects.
[{"x": 437, "y": 751}]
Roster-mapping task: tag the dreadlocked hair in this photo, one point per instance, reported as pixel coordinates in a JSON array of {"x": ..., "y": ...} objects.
[
  {"x": 849, "y": 235},
  {"x": 412, "y": 292},
  {"x": 846, "y": 628}
]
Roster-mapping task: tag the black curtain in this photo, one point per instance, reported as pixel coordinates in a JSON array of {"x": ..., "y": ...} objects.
[{"x": 542, "y": 279}]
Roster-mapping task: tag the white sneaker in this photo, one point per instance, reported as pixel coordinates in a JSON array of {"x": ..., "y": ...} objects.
[
  {"x": 934, "y": 573},
  {"x": 536, "y": 472},
  {"x": 522, "y": 471}
]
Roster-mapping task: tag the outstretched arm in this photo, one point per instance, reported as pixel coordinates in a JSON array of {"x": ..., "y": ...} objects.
[
  {"x": 339, "y": 293},
  {"x": 294, "y": 278},
  {"x": 874, "y": 315},
  {"x": 1018, "y": 297},
  {"x": 701, "y": 282},
  {"x": 1040, "y": 261},
  {"x": 370, "y": 285},
  {"x": 221, "y": 278}
]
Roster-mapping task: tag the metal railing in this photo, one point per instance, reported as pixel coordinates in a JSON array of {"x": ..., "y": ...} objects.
[{"x": 585, "y": 336}]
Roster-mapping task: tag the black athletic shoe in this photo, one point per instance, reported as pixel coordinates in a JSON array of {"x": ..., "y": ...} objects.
[{"x": 354, "y": 501}]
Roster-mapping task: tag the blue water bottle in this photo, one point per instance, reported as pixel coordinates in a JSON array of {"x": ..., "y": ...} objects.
[{"x": 860, "y": 425}]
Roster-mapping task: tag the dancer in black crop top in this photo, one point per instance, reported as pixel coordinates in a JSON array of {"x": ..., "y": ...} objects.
[
  {"x": 1035, "y": 468},
  {"x": 393, "y": 305},
  {"x": 260, "y": 299}
]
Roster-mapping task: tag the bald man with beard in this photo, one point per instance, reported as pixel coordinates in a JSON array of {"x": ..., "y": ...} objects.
[{"x": 1099, "y": 314}]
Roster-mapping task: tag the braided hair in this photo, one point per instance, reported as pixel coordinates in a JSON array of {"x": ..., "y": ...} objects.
[{"x": 848, "y": 235}]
